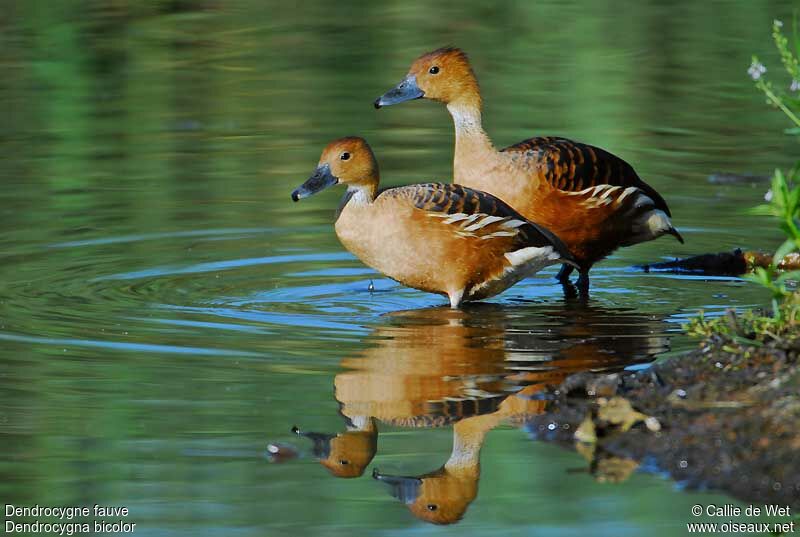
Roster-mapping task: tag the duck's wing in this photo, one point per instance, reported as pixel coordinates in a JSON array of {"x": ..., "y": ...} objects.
[
  {"x": 575, "y": 167},
  {"x": 474, "y": 213}
]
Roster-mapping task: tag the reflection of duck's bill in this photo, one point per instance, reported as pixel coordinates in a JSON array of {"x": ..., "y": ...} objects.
[
  {"x": 322, "y": 442},
  {"x": 405, "y": 489}
]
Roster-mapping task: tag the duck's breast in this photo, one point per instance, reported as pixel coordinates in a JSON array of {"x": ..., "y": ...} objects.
[{"x": 390, "y": 237}]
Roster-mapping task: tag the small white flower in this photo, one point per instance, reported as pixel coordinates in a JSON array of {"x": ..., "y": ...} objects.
[
  {"x": 756, "y": 70},
  {"x": 795, "y": 85},
  {"x": 768, "y": 196},
  {"x": 778, "y": 23}
]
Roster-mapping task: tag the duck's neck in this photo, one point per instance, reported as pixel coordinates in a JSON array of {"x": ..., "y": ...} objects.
[
  {"x": 468, "y": 437},
  {"x": 473, "y": 146},
  {"x": 362, "y": 423},
  {"x": 362, "y": 194}
]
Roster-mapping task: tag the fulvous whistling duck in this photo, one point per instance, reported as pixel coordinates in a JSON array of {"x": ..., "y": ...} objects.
[
  {"x": 440, "y": 238},
  {"x": 592, "y": 200}
]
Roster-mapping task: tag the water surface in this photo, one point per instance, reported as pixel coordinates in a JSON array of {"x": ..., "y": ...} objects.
[{"x": 166, "y": 311}]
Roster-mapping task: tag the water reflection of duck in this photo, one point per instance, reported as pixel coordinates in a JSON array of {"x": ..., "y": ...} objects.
[{"x": 436, "y": 367}]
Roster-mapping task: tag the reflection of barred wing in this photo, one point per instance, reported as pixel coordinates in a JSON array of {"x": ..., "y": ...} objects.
[
  {"x": 575, "y": 167},
  {"x": 479, "y": 215},
  {"x": 450, "y": 410}
]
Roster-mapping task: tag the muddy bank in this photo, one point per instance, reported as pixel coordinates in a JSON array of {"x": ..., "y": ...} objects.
[{"x": 726, "y": 417}]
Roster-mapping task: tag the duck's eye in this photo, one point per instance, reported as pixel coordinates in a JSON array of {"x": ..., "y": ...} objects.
[
  {"x": 433, "y": 70},
  {"x": 432, "y": 507},
  {"x": 345, "y": 156},
  {"x": 344, "y": 462}
]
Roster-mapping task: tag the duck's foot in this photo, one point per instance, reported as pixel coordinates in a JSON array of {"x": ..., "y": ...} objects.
[{"x": 563, "y": 274}]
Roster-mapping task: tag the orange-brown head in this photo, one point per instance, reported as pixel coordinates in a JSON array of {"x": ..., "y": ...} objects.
[
  {"x": 345, "y": 454},
  {"x": 443, "y": 75},
  {"x": 349, "y": 161},
  {"x": 351, "y": 452},
  {"x": 440, "y": 497}
]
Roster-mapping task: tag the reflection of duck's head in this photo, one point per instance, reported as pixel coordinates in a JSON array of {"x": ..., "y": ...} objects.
[
  {"x": 443, "y": 496},
  {"x": 345, "y": 454},
  {"x": 440, "y": 497}
]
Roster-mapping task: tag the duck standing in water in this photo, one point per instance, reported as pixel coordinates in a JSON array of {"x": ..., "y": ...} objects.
[
  {"x": 592, "y": 200},
  {"x": 440, "y": 238}
]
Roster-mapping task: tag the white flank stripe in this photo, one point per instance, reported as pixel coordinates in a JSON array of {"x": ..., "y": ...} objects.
[
  {"x": 531, "y": 253},
  {"x": 628, "y": 191},
  {"x": 485, "y": 222},
  {"x": 580, "y": 192},
  {"x": 513, "y": 224},
  {"x": 453, "y": 218},
  {"x": 609, "y": 192},
  {"x": 471, "y": 218},
  {"x": 499, "y": 234}
]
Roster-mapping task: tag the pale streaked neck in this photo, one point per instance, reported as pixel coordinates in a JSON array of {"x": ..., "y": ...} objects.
[
  {"x": 468, "y": 436},
  {"x": 465, "y": 455},
  {"x": 361, "y": 194},
  {"x": 470, "y": 136},
  {"x": 362, "y": 423}
]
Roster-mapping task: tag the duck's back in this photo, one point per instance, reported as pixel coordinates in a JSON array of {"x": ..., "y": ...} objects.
[{"x": 573, "y": 166}]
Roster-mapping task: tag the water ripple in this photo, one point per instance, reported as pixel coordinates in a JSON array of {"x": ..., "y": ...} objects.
[
  {"x": 123, "y": 346},
  {"x": 224, "y": 265},
  {"x": 165, "y": 235}
]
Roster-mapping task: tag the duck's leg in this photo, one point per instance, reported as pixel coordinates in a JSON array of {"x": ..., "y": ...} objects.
[
  {"x": 583, "y": 283},
  {"x": 570, "y": 291},
  {"x": 563, "y": 274},
  {"x": 455, "y": 297}
]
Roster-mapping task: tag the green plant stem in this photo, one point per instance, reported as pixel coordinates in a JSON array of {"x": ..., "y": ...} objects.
[{"x": 779, "y": 103}]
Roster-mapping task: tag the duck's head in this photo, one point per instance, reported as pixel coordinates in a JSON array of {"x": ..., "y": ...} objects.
[
  {"x": 345, "y": 454},
  {"x": 348, "y": 161},
  {"x": 440, "y": 497},
  {"x": 443, "y": 75}
]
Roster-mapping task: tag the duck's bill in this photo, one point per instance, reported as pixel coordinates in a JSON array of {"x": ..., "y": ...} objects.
[
  {"x": 407, "y": 90},
  {"x": 405, "y": 489},
  {"x": 321, "y": 442},
  {"x": 322, "y": 179}
]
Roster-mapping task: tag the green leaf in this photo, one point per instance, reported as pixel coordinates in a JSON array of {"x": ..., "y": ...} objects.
[
  {"x": 745, "y": 342},
  {"x": 783, "y": 250},
  {"x": 793, "y": 198},
  {"x": 794, "y": 173},
  {"x": 752, "y": 278},
  {"x": 791, "y": 275},
  {"x": 761, "y": 210},
  {"x": 760, "y": 276},
  {"x": 780, "y": 190}
]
